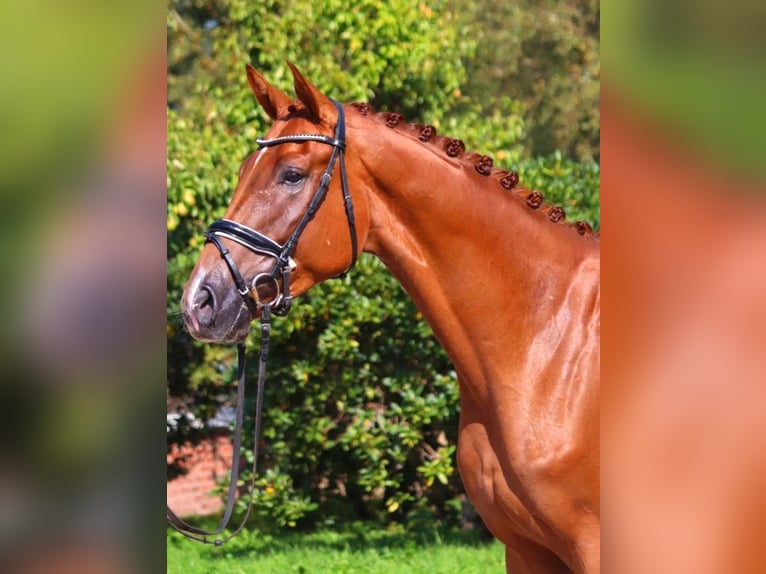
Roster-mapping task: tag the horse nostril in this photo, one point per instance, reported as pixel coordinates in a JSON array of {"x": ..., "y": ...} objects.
[{"x": 204, "y": 306}]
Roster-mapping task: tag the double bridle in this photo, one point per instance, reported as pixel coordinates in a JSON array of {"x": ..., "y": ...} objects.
[{"x": 278, "y": 301}]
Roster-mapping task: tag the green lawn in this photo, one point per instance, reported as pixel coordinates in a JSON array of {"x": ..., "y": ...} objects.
[{"x": 358, "y": 549}]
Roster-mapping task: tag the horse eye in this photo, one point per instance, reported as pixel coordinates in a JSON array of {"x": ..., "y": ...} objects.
[{"x": 292, "y": 176}]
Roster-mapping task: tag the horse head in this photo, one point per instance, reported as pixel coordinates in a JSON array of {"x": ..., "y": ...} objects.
[{"x": 293, "y": 220}]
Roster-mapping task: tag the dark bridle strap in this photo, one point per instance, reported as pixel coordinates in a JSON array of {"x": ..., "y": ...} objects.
[
  {"x": 243, "y": 235},
  {"x": 349, "y": 206},
  {"x": 199, "y": 534},
  {"x": 262, "y": 244},
  {"x": 339, "y": 147},
  {"x": 340, "y": 135},
  {"x": 233, "y": 269},
  {"x": 311, "y": 210}
]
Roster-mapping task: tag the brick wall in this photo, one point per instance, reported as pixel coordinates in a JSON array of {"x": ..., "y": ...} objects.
[{"x": 205, "y": 463}]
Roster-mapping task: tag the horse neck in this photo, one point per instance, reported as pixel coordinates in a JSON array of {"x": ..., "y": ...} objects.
[{"x": 473, "y": 256}]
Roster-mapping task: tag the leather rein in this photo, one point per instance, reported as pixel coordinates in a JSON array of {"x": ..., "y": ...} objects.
[{"x": 278, "y": 301}]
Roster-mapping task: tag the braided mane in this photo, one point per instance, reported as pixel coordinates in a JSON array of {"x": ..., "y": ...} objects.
[{"x": 455, "y": 148}]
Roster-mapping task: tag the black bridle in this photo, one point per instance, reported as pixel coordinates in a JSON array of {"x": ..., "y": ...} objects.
[
  {"x": 259, "y": 243},
  {"x": 279, "y": 304}
]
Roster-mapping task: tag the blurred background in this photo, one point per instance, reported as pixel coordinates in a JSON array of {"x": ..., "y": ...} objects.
[
  {"x": 683, "y": 149},
  {"x": 82, "y": 247}
]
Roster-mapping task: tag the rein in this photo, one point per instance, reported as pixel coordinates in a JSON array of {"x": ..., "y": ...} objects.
[
  {"x": 279, "y": 304},
  {"x": 199, "y": 534}
]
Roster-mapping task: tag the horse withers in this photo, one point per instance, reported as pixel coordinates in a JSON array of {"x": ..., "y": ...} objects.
[{"x": 510, "y": 290}]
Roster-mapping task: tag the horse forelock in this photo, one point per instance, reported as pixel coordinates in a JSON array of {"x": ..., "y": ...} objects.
[{"x": 483, "y": 164}]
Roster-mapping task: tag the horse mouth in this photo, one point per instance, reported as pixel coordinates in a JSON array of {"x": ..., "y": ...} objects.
[
  {"x": 240, "y": 326},
  {"x": 204, "y": 323}
]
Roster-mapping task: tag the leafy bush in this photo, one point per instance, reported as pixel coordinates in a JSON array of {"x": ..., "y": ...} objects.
[{"x": 544, "y": 55}]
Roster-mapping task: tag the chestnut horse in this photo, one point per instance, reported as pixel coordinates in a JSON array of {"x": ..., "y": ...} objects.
[{"x": 510, "y": 291}]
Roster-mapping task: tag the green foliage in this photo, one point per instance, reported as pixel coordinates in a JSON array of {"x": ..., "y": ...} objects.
[
  {"x": 386, "y": 53},
  {"x": 361, "y": 402},
  {"x": 275, "y": 497},
  {"x": 545, "y": 55}
]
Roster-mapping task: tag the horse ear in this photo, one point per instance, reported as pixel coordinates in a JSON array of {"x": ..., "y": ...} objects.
[
  {"x": 315, "y": 101},
  {"x": 272, "y": 100}
]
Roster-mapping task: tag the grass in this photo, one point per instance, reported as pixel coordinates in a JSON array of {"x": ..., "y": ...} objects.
[{"x": 357, "y": 549}]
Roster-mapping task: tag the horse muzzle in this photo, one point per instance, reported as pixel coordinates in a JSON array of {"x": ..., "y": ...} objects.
[{"x": 214, "y": 312}]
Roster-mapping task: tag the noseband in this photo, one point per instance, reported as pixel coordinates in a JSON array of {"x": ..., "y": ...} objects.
[
  {"x": 281, "y": 301},
  {"x": 279, "y": 304}
]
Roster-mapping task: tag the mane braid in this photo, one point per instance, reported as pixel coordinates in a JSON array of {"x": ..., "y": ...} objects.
[{"x": 483, "y": 164}]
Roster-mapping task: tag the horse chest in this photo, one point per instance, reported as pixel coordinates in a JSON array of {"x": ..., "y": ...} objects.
[
  {"x": 519, "y": 500},
  {"x": 491, "y": 488}
]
